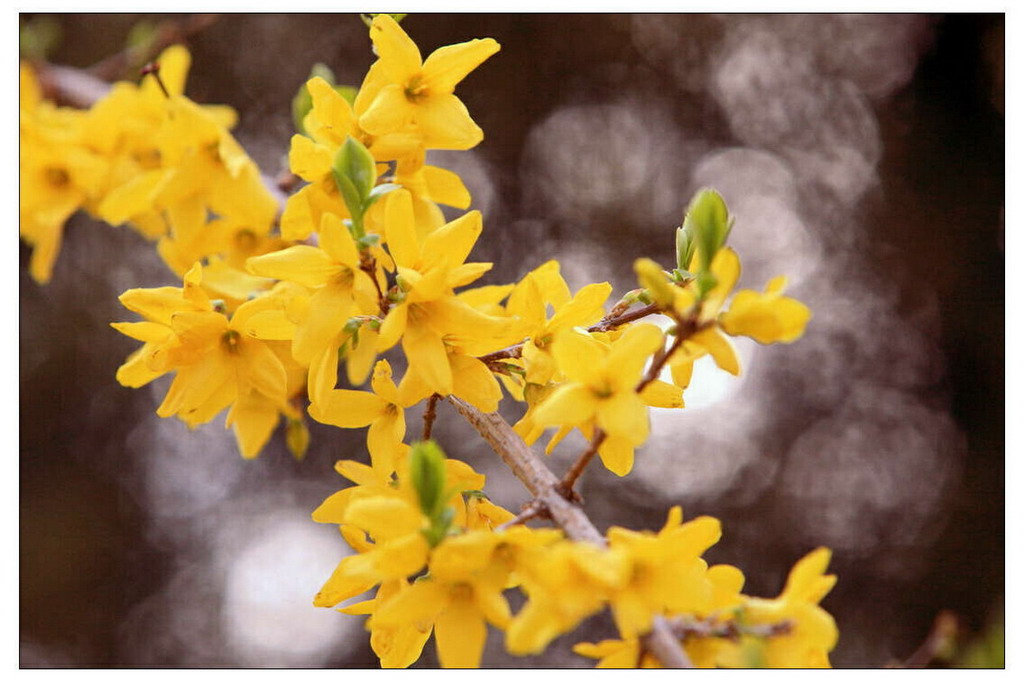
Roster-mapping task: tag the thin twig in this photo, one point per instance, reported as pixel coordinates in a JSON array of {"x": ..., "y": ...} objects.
[
  {"x": 531, "y": 510},
  {"x": 429, "y": 415},
  {"x": 167, "y": 33},
  {"x": 943, "y": 632},
  {"x": 543, "y": 485},
  {"x": 610, "y": 321},
  {"x": 580, "y": 465},
  {"x": 683, "y": 628}
]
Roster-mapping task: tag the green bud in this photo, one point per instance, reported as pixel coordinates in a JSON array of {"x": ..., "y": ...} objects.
[
  {"x": 706, "y": 227},
  {"x": 684, "y": 248},
  {"x": 427, "y": 471},
  {"x": 355, "y": 173},
  {"x": 296, "y": 437}
]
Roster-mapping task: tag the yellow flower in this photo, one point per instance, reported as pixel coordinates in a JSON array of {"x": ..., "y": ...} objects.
[
  {"x": 440, "y": 333},
  {"x": 420, "y": 93},
  {"x": 529, "y": 301},
  {"x": 565, "y": 583},
  {"x": 462, "y": 590},
  {"x": 219, "y": 362},
  {"x": 390, "y": 513},
  {"x": 601, "y": 390},
  {"x": 767, "y": 318},
  {"x": 333, "y": 270},
  {"x": 397, "y": 645},
  {"x": 383, "y": 411},
  {"x": 58, "y": 173},
  {"x": 813, "y": 633},
  {"x": 666, "y": 572}
]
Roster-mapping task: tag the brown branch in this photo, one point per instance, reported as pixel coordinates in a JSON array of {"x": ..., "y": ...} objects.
[
  {"x": 942, "y": 634},
  {"x": 683, "y": 628},
  {"x": 429, "y": 415},
  {"x": 579, "y": 466},
  {"x": 531, "y": 510},
  {"x": 543, "y": 485},
  {"x": 610, "y": 321},
  {"x": 167, "y": 33}
]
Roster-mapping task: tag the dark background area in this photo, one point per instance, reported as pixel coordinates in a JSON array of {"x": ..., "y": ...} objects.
[{"x": 881, "y": 433}]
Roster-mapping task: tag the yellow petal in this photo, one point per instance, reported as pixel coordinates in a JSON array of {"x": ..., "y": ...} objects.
[
  {"x": 253, "y": 421},
  {"x": 448, "y": 65},
  {"x": 305, "y": 265},
  {"x": 384, "y": 518},
  {"x": 474, "y": 383},
  {"x": 329, "y": 310},
  {"x": 390, "y": 112},
  {"x": 428, "y": 358},
  {"x": 348, "y": 409},
  {"x": 460, "y": 634},
  {"x": 445, "y": 187},
  {"x": 569, "y": 405},
  {"x": 579, "y": 355},
  {"x": 446, "y": 124},
  {"x": 616, "y": 454},
  {"x": 400, "y": 229},
  {"x": 309, "y": 160},
  {"x": 661, "y": 394},
  {"x": 720, "y": 348},
  {"x": 337, "y": 241},
  {"x": 399, "y": 56},
  {"x": 624, "y": 414}
]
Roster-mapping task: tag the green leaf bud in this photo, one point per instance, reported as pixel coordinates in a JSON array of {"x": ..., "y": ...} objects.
[
  {"x": 427, "y": 471},
  {"x": 707, "y": 226},
  {"x": 355, "y": 173}
]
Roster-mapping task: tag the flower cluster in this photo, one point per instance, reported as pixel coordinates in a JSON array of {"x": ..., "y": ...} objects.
[
  {"x": 429, "y": 523},
  {"x": 275, "y": 308}
]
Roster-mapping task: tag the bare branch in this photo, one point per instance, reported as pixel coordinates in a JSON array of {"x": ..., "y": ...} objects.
[{"x": 544, "y": 486}]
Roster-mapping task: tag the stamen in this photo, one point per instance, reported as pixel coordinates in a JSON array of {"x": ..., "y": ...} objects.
[{"x": 153, "y": 69}]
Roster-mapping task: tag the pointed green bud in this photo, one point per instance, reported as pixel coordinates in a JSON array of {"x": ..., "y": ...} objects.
[
  {"x": 707, "y": 226},
  {"x": 427, "y": 471},
  {"x": 296, "y": 437},
  {"x": 653, "y": 278},
  {"x": 684, "y": 248},
  {"x": 355, "y": 173}
]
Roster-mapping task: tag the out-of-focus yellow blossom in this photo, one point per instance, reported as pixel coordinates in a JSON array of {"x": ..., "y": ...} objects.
[
  {"x": 813, "y": 633},
  {"x": 666, "y": 572},
  {"x": 601, "y": 390},
  {"x": 59, "y": 173},
  {"x": 565, "y": 583},
  {"x": 219, "y": 362},
  {"x": 383, "y": 411},
  {"x": 767, "y": 318},
  {"x": 413, "y": 92}
]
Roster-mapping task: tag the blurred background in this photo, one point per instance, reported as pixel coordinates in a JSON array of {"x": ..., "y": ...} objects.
[{"x": 863, "y": 156}]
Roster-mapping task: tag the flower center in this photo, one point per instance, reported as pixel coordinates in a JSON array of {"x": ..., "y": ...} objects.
[
  {"x": 245, "y": 240},
  {"x": 231, "y": 340},
  {"x": 416, "y": 89},
  {"x": 57, "y": 177}
]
